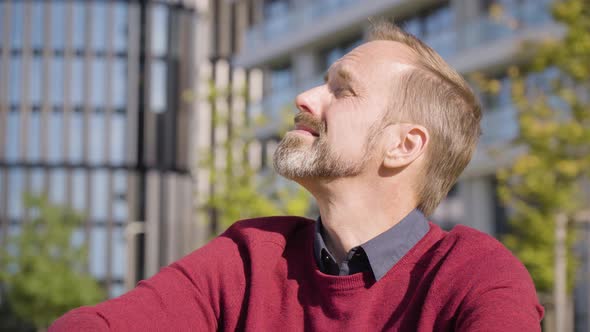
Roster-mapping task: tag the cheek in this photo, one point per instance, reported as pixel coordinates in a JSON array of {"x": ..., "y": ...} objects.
[{"x": 348, "y": 137}]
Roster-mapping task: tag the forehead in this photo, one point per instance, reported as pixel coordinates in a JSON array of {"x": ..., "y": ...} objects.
[{"x": 374, "y": 60}]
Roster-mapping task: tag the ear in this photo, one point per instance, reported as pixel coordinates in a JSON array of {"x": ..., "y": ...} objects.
[{"x": 405, "y": 143}]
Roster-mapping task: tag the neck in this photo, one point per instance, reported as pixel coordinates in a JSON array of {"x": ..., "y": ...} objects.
[{"x": 354, "y": 211}]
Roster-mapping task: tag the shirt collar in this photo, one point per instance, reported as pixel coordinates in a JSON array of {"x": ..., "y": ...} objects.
[{"x": 387, "y": 248}]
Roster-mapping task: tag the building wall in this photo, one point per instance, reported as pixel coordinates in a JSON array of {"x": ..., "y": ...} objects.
[{"x": 95, "y": 112}]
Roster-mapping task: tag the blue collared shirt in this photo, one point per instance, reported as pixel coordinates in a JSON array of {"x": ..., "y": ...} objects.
[{"x": 379, "y": 254}]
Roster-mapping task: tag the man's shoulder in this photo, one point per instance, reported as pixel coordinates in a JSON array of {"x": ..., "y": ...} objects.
[
  {"x": 465, "y": 238},
  {"x": 227, "y": 253},
  {"x": 275, "y": 229},
  {"x": 476, "y": 251},
  {"x": 478, "y": 272}
]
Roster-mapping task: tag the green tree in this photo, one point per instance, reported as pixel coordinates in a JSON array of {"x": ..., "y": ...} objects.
[
  {"x": 42, "y": 267},
  {"x": 239, "y": 190},
  {"x": 554, "y": 120}
]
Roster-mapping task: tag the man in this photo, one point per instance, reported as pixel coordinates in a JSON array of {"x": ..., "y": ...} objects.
[{"x": 378, "y": 145}]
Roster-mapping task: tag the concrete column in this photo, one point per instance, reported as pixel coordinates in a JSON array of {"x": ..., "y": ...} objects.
[{"x": 258, "y": 11}]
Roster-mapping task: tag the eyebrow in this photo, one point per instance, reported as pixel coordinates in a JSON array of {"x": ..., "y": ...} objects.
[{"x": 345, "y": 75}]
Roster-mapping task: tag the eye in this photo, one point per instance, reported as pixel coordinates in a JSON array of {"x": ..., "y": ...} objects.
[{"x": 342, "y": 92}]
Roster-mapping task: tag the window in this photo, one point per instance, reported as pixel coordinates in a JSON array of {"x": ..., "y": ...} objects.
[
  {"x": 98, "y": 83},
  {"x": 159, "y": 31},
  {"x": 413, "y": 26},
  {"x": 276, "y": 9},
  {"x": 281, "y": 77},
  {"x": 13, "y": 137},
  {"x": 118, "y": 138},
  {"x": 441, "y": 19},
  {"x": 158, "y": 87},
  {"x": 37, "y": 31},
  {"x": 98, "y": 244},
  {"x": 15, "y": 73},
  {"x": 77, "y": 82},
  {"x": 504, "y": 97},
  {"x": 100, "y": 196},
  {"x": 494, "y": 101},
  {"x": 58, "y": 27},
  {"x": 79, "y": 190},
  {"x": 99, "y": 17},
  {"x": 119, "y": 83},
  {"x": 120, "y": 24},
  {"x": 57, "y": 81},
  {"x": 78, "y": 25},
  {"x": 97, "y": 137},
  {"x": 429, "y": 22},
  {"x": 16, "y": 190},
  {"x": 36, "y": 80},
  {"x": 37, "y": 177},
  {"x": 76, "y": 137},
  {"x": 34, "y": 148},
  {"x": 57, "y": 192},
  {"x": 120, "y": 212},
  {"x": 17, "y": 26},
  {"x": 330, "y": 55},
  {"x": 55, "y": 136},
  {"x": 119, "y": 262}
]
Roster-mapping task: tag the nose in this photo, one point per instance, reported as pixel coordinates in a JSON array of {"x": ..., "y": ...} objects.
[{"x": 310, "y": 101}]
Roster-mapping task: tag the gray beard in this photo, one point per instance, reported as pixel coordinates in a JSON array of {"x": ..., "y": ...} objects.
[{"x": 295, "y": 159}]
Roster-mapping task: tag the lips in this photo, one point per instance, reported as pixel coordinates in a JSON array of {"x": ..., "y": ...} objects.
[
  {"x": 305, "y": 121},
  {"x": 300, "y": 126}
]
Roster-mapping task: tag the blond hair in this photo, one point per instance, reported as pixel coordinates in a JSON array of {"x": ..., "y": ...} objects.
[{"x": 438, "y": 98}]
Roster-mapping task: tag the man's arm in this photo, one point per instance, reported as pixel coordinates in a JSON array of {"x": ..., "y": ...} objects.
[
  {"x": 503, "y": 297},
  {"x": 185, "y": 296},
  {"x": 169, "y": 301}
]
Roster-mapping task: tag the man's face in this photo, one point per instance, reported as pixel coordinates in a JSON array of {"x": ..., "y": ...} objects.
[{"x": 339, "y": 122}]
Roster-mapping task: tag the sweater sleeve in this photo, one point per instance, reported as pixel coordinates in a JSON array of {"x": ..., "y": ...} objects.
[
  {"x": 189, "y": 295},
  {"x": 503, "y": 296},
  {"x": 169, "y": 301}
]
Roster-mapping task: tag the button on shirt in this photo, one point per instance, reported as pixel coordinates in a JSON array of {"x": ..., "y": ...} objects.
[{"x": 379, "y": 254}]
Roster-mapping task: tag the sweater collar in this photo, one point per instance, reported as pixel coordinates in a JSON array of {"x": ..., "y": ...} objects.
[{"x": 383, "y": 251}]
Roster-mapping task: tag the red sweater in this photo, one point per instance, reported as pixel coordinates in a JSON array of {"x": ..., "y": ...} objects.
[{"x": 261, "y": 275}]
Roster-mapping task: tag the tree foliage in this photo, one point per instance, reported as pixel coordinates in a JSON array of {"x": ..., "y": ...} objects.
[
  {"x": 239, "y": 190},
  {"x": 42, "y": 267},
  {"x": 554, "y": 123}
]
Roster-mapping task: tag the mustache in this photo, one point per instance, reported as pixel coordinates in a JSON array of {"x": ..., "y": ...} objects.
[{"x": 310, "y": 121}]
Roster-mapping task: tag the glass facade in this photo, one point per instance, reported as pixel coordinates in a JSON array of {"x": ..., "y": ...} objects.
[
  {"x": 329, "y": 55},
  {"x": 281, "y": 77},
  {"x": 73, "y": 111},
  {"x": 433, "y": 25}
]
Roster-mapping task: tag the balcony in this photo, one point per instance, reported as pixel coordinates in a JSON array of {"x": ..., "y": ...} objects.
[
  {"x": 510, "y": 22},
  {"x": 277, "y": 27},
  {"x": 311, "y": 23}
]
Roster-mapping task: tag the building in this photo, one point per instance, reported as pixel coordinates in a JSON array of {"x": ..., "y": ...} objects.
[
  {"x": 96, "y": 111},
  {"x": 295, "y": 41}
]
